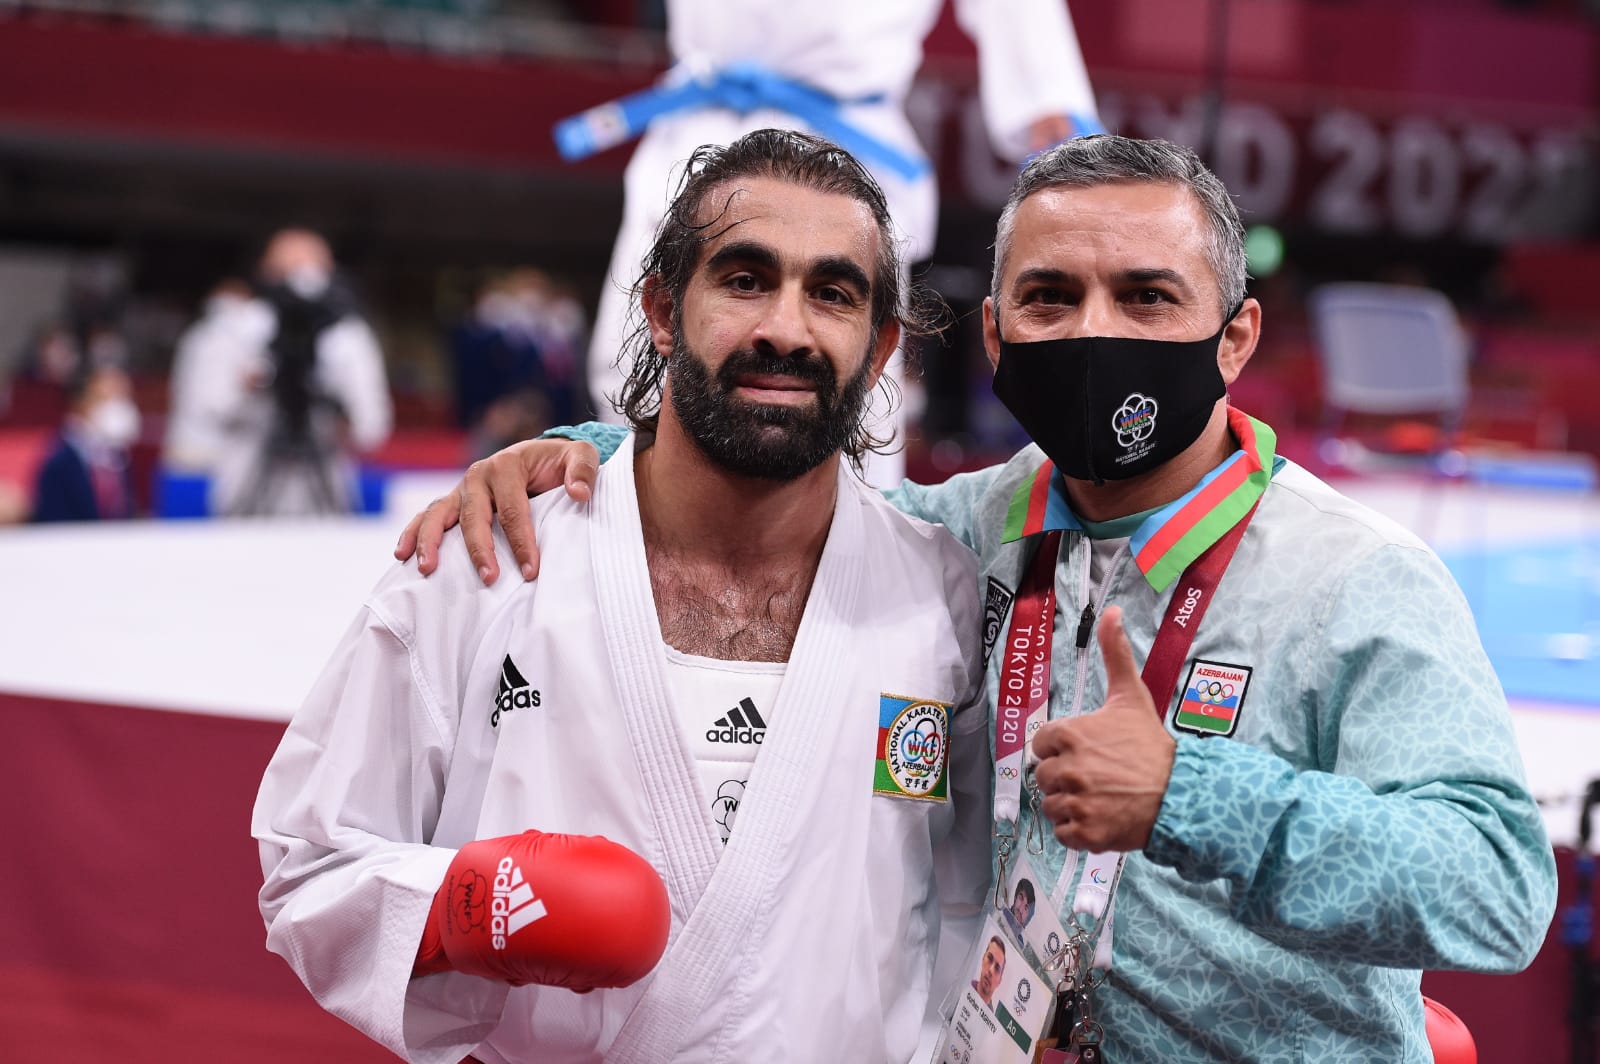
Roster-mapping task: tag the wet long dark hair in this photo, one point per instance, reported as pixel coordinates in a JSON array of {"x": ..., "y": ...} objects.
[{"x": 709, "y": 177}]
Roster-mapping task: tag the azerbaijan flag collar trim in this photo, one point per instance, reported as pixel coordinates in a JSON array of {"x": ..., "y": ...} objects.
[{"x": 1178, "y": 533}]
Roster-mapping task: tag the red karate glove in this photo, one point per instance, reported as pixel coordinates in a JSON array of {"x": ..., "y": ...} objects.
[
  {"x": 577, "y": 911},
  {"x": 1448, "y": 1037}
]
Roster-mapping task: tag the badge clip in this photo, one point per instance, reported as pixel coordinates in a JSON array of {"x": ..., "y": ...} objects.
[
  {"x": 1036, "y": 834},
  {"x": 1005, "y": 841}
]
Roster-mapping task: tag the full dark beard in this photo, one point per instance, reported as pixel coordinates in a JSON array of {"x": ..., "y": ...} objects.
[{"x": 758, "y": 439}]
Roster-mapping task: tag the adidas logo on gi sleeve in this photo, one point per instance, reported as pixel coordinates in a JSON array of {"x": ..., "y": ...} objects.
[{"x": 515, "y": 693}]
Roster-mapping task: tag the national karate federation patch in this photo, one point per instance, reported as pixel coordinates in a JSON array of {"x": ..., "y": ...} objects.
[
  {"x": 1212, "y": 697},
  {"x": 913, "y": 748}
]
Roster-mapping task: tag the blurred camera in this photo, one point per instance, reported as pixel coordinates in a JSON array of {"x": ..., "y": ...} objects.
[{"x": 303, "y": 314}]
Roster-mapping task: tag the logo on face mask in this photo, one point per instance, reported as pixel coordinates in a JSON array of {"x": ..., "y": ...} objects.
[
  {"x": 1134, "y": 423},
  {"x": 1064, "y": 391}
]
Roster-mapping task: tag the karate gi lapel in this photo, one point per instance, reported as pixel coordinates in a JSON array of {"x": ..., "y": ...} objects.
[
  {"x": 816, "y": 696},
  {"x": 688, "y": 854}
]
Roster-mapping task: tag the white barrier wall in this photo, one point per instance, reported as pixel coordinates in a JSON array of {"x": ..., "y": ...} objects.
[{"x": 236, "y": 618}]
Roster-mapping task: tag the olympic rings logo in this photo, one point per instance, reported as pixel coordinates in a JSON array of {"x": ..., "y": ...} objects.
[{"x": 1214, "y": 691}]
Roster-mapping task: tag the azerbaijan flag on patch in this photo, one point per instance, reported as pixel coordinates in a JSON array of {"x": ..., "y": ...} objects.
[
  {"x": 1195, "y": 712},
  {"x": 913, "y": 748},
  {"x": 1212, "y": 696}
]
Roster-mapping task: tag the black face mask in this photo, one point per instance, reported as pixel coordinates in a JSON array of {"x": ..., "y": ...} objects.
[{"x": 1111, "y": 407}]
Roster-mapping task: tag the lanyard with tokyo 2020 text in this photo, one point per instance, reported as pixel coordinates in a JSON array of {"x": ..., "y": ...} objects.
[
  {"x": 1023, "y": 706},
  {"x": 1024, "y": 694}
]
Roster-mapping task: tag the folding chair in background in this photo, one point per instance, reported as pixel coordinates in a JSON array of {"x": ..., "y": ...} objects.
[{"x": 1392, "y": 355}]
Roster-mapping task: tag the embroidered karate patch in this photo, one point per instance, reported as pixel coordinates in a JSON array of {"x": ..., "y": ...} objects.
[
  {"x": 913, "y": 741},
  {"x": 1212, "y": 697}
]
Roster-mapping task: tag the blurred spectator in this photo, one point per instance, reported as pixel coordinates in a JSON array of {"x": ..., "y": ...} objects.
[
  {"x": 204, "y": 385},
  {"x": 516, "y": 359},
  {"x": 85, "y": 478},
  {"x": 106, "y": 346},
  {"x": 276, "y": 385},
  {"x": 566, "y": 338},
  {"x": 54, "y": 357}
]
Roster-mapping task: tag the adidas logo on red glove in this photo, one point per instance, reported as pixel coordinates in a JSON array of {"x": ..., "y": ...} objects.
[
  {"x": 577, "y": 911},
  {"x": 514, "y": 906}
]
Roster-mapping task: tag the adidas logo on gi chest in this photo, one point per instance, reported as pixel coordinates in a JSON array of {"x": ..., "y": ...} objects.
[
  {"x": 741, "y": 725},
  {"x": 515, "y": 692}
]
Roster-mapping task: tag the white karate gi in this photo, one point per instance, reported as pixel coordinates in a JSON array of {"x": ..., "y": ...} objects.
[
  {"x": 808, "y": 937},
  {"x": 1029, "y": 68}
]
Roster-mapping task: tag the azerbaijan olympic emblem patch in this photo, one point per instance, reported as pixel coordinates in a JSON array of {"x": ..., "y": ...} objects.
[
  {"x": 913, "y": 748},
  {"x": 1212, "y": 697}
]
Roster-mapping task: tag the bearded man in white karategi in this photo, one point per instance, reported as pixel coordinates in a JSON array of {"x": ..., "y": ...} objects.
[
  {"x": 842, "y": 69},
  {"x": 701, "y": 792}
]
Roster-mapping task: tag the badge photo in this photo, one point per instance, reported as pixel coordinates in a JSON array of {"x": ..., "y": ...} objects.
[
  {"x": 1028, "y": 915},
  {"x": 1213, "y": 695},
  {"x": 1002, "y": 1003}
]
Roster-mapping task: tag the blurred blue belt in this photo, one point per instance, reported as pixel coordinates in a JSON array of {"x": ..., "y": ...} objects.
[{"x": 741, "y": 87}]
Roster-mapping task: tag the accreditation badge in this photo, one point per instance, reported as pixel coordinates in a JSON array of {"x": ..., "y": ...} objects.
[
  {"x": 1027, "y": 915},
  {"x": 1001, "y": 1005}
]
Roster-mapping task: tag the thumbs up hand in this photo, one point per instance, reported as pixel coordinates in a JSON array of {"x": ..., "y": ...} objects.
[{"x": 1103, "y": 774}]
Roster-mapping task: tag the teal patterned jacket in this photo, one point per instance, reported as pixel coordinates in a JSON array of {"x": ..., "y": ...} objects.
[{"x": 1367, "y": 818}]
